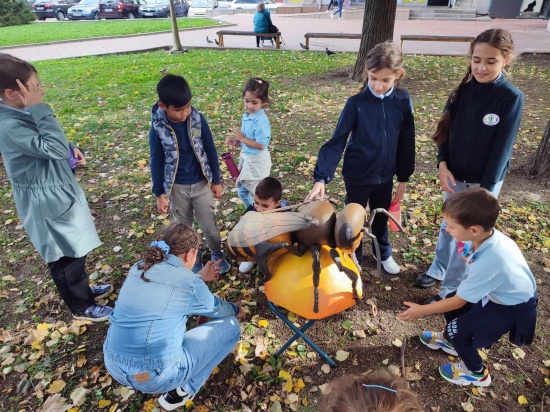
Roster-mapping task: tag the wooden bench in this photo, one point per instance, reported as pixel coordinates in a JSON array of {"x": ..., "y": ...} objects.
[
  {"x": 222, "y": 33},
  {"x": 331, "y": 36},
  {"x": 424, "y": 37}
]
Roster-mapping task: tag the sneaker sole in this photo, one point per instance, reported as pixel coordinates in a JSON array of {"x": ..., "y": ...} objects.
[
  {"x": 169, "y": 406},
  {"x": 105, "y": 294},
  {"x": 436, "y": 347},
  {"x": 95, "y": 320},
  {"x": 483, "y": 383}
]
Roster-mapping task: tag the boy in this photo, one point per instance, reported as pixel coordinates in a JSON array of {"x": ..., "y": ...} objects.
[
  {"x": 499, "y": 294},
  {"x": 267, "y": 196},
  {"x": 184, "y": 164}
]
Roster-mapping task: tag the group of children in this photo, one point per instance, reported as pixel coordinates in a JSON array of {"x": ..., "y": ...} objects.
[{"x": 487, "y": 292}]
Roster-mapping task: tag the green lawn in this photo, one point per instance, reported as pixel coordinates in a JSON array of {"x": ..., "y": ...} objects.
[{"x": 73, "y": 30}]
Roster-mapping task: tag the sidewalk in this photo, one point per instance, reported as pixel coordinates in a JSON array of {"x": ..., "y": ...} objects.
[{"x": 530, "y": 36}]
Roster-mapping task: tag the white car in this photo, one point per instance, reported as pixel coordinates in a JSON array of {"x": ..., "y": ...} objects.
[{"x": 248, "y": 4}]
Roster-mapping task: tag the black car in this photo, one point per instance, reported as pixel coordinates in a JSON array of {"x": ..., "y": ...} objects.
[
  {"x": 120, "y": 9},
  {"x": 52, "y": 8},
  {"x": 161, "y": 8}
]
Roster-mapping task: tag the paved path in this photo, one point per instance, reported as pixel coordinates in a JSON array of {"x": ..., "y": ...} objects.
[{"x": 529, "y": 36}]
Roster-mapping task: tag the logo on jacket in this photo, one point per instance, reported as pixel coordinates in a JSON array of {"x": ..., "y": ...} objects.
[{"x": 491, "y": 119}]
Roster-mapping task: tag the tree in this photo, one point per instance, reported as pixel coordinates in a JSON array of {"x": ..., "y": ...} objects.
[
  {"x": 378, "y": 23},
  {"x": 15, "y": 13},
  {"x": 539, "y": 166},
  {"x": 176, "y": 46}
]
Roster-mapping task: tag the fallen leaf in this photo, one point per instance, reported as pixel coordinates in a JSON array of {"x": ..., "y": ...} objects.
[
  {"x": 263, "y": 323},
  {"x": 397, "y": 343},
  {"x": 522, "y": 400},
  {"x": 325, "y": 368},
  {"x": 55, "y": 403},
  {"x": 467, "y": 406},
  {"x": 342, "y": 355},
  {"x": 78, "y": 396},
  {"x": 56, "y": 386}
]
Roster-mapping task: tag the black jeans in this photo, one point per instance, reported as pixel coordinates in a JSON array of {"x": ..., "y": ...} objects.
[
  {"x": 70, "y": 278},
  {"x": 376, "y": 196},
  {"x": 474, "y": 326}
]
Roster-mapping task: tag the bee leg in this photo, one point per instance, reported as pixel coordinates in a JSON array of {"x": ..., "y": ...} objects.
[
  {"x": 316, "y": 266},
  {"x": 349, "y": 273}
]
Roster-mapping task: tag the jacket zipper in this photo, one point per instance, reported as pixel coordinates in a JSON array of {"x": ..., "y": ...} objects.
[
  {"x": 190, "y": 134},
  {"x": 177, "y": 157}
]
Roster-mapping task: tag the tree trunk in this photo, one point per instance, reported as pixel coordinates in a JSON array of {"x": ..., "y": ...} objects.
[
  {"x": 539, "y": 166},
  {"x": 176, "y": 43},
  {"x": 378, "y": 23}
]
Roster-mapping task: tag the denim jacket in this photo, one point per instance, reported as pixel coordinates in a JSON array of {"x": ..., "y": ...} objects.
[{"x": 149, "y": 320}]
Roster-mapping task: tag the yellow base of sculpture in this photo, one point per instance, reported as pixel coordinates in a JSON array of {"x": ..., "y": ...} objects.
[{"x": 291, "y": 284}]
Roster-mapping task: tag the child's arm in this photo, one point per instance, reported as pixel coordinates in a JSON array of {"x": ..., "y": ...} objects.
[
  {"x": 501, "y": 149},
  {"x": 416, "y": 311},
  {"x": 405, "y": 151},
  {"x": 156, "y": 160},
  {"x": 212, "y": 155},
  {"x": 240, "y": 137}
]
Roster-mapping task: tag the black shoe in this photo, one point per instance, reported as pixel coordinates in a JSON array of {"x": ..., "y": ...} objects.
[
  {"x": 174, "y": 399},
  {"x": 432, "y": 299},
  {"x": 425, "y": 281}
]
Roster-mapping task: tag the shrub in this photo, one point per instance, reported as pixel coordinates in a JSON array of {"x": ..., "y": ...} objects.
[{"x": 15, "y": 13}]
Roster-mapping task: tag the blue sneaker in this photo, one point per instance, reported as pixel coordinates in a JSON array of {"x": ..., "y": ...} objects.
[
  {"x": 459, "y": 374},
  {"x": 198, "y": 263},
  {"x": 95, "y": 313},
  {"x": 101, "y": 291},
  {"x": 436, "y": 340},
  {"x": 224, "y": 266}
]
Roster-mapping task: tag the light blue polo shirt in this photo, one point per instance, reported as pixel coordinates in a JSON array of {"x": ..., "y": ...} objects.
[
  {"x": 498, "y": 271},
  {"x": 256, "y": 127}
]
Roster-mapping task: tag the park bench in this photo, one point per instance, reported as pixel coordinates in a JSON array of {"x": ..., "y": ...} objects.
[
  {"x": 222, "y": 33},
  {"x": 331, "y": 36},
  {"x": 424, "y": 37}
]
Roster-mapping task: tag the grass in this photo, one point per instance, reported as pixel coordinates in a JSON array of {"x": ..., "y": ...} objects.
[
  {"x": 108, "y": 115},
  {"x": 36, "y": 33}
]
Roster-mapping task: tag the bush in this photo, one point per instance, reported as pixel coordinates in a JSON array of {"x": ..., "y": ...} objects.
[{"x": 15, "y": 13}]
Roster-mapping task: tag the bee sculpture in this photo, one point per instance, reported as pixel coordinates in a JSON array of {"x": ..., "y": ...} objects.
[{"x": 260, "y": 236}]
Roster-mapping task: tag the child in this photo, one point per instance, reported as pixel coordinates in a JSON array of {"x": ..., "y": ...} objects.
[
  {"x": 499, "y": 294},
  {"x": 254, "y": 136},
  {"x": 379, "y": 391},
  {"x": 475, "y": 136},
  {"x": 147, "y": 346},
  {"x": 49, "y": 201},
  {"x": 381, "y": 145},
  {"x": 269, "y": 192},
  {"x": 184, "y": 164}
]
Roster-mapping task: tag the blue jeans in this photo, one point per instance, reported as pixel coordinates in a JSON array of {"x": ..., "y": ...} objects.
[
  {"x": 245, "y": 196},
  {"x": 340, "y": 4},
  {"x": 448, "y": 264},
  {"x": 204, "y": 347}
]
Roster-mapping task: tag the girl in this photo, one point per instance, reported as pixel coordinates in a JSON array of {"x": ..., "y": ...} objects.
[
  {"x": 340, "y": 4},
  {"x": 475, "y": 137},
  {"x": 254, "y": 136},
  {"x": 49, "y": 201},
  {"x": 381, "y": 145},
  {"x": 379, "y": 391},
  {"x": 147, "y": 345}
]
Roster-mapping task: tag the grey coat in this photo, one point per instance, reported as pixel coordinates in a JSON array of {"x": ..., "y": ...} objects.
[{"x": 49, "y": 200}]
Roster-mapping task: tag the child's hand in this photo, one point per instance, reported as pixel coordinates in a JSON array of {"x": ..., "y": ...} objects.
[
  {"x": 30, "y": 94},
  {"x": 79, "y": 156},
  {"x": 318, "y": 189},
  {"x": 210, "y": 271},
  {"x": 238, "y": 134},
  {"x": 231, "y": 141},
  {"x": 400, "y": 192},
  {"x": 162, "y": 205},
  {"x": 445, "y": 176},
  {"x": 413, "y": 313},
  {"x": 217, "y": 190}
]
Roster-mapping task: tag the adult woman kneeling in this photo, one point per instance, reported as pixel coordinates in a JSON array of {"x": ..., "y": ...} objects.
[{"x": 147, "y": 346}]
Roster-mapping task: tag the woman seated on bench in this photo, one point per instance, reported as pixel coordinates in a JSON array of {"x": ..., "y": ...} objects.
[{"x": 262, "y": 21}]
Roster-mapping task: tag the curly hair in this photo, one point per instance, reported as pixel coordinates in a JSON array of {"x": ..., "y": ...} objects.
[
  {"x": 389, "y": 393},
  {"x": 178, "y": 236}
]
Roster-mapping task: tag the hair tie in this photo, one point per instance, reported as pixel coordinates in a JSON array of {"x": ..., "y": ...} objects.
[
  {"x": 379, "y": 387},
  {"x": 162, "y": 245},
  {"x": 259, "y": 81}
]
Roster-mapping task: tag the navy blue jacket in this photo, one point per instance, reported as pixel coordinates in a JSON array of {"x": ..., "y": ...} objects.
[
  {"x": 381, "y": 143},
  {"x": 485, "y": 119}
]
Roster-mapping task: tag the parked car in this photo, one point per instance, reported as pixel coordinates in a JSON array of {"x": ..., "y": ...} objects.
[
  {"x": 161, "y": 8},
  {"x": 52, "y": 8},
  {"x": 249, "y": 4},
  {"x": 199, "y": 7},
  {"x": 120, "y": 9},
  {"x": 85, "y": 10}
]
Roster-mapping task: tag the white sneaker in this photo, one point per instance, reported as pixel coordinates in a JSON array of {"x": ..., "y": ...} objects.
[
  {"x": 246, "y": 267},
  {"x": 391, "y": 266},
  {"x": 332, "y": 16}
]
